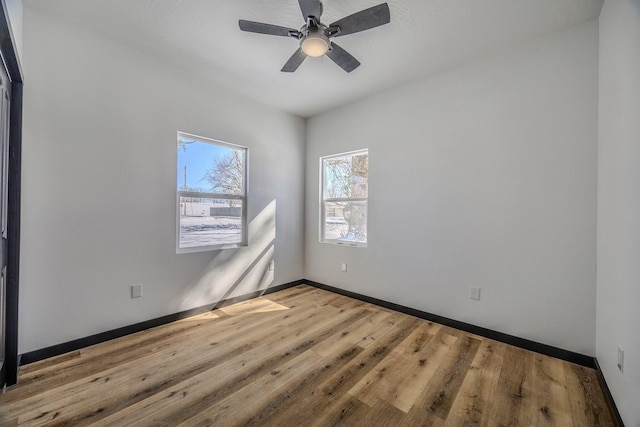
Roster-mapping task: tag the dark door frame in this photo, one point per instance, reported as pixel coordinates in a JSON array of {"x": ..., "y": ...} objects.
[{"x": 12, "y": 66}]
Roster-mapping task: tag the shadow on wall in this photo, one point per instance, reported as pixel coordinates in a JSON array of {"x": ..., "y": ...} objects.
[{"x": 239, "y": 271}]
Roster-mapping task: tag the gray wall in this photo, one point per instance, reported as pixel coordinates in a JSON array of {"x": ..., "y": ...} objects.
[
  {"x": 481, "y": 176},
  {"x": 99, "y": 187},
  {"x": 618, "y": 310}
]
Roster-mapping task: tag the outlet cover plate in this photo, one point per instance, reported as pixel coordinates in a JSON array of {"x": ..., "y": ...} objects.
[
  {"x": 475, "y": 293},
  {"x": 136, "y": 291}
]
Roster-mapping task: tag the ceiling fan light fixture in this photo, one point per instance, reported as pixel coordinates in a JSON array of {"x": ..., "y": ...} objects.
[
  {"x": 315, "y": 45},
  {"x": 315, "y": 38}
]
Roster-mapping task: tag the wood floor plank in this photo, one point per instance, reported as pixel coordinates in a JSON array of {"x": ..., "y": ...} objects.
[
  {"x": 252, "y": 364},
  {"x": 380, "y": 413},
  {"x": 172, "y": 365},
  {"x": 228, "y": 378},
  {"x": 473, "y": 404},
  {"x": 399, "y": 378},
  {"x": 149, "y": 342},
  {"x": 145, "y": 343},
  {"x": 585, "y": 398},
  {"x": 36, "y": 371},
  {"x": 334, "y": 401},
  {"x": 551, "y": 403},
  {"x": 513, "y": 394},
  {"x": 352, "y": 334},
  {"x": 308, "y": 295},
  {"x": 184, "y": 344},
  {"x": 381, "y": 327},
  {"x": 258, "y": 305},
  {"x": 290, "y": 293},
  {"x": 346, "y": 378},
  {"x": 276, "y": 412},
  {"x": 227, "y": 413},
  {"x": 437, "y": 397},
  {"x": 304, "y": 356}
]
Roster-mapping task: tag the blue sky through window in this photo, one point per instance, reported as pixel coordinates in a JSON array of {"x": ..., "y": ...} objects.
[{"x": 198, "y": 157}]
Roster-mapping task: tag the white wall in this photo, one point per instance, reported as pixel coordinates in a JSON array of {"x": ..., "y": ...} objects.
[
  {"x": 481, "y": 176},
  {"x": 618, "y": 308},
  {"x": 99, "y": 187}
]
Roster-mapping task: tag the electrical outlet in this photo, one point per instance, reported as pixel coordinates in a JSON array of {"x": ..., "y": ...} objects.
[
  {"x": 344, "y": 267},
  {"x": 620, "y": 359},
  {"x": 272, "y": 265},
  {"x": 136, "y": 290},
  {"x": 475, "y": 293}
]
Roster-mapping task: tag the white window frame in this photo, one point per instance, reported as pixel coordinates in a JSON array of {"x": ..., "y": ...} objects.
[
  {"x": 323, "y": 201},
  {"x": 205, "y": 195}
]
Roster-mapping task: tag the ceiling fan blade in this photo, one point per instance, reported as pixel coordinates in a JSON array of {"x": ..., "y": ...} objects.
[
  {"x": 294, "y": 62},
  {"x": 310, "y": 8},
  {"x": 273, "y": 30},
  {"x": 342, "y": 58},
  {"x": 363, "y": 20}
]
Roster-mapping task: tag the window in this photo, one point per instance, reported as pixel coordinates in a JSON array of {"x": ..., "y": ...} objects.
[
  {"x": 212, "y": 194},
  {"x": 344, "y": 192}
]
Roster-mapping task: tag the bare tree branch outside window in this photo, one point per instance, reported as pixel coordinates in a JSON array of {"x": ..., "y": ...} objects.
[{"x": 226, "y": 175}]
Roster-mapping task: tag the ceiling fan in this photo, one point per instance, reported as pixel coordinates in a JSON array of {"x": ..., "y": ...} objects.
[{"x": 315, "y": 37}]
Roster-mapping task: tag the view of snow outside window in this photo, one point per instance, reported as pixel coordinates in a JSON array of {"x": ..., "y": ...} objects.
[
  {"x": 344, "y": 198},
  {"x": 211, "y": 192}
]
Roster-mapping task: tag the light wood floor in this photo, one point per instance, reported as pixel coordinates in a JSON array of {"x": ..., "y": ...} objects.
[{"x": 304, "y": 357}]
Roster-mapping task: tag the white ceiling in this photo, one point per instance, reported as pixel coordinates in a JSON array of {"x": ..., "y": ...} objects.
[{"x": 424, "y": 37}]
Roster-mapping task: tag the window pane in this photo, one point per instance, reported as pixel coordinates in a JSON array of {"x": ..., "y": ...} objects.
[
  {"x": 210, "y": 168},
  {"x": 346, "y": 176},
  {"x": 212, "y": 190},
  {"x": 209, "y": 222},
  {"x": 345, "y": 221}
]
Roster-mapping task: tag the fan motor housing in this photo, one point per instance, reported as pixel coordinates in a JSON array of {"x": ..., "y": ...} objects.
[{"x": 315, "y": 40}]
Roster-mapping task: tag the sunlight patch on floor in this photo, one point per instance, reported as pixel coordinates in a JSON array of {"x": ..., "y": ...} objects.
[{"x": 260, "y": 305}]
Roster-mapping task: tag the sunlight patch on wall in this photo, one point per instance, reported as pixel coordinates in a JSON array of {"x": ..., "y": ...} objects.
[{"x": 239, "y": 271}]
